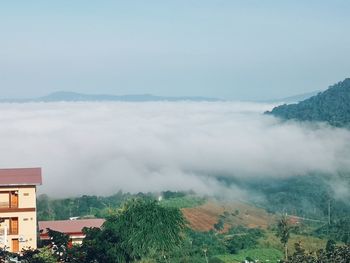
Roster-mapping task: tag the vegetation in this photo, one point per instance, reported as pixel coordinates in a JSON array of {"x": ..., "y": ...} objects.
[
  {"x": 262, "y": 254},
  {"x": 130, "y": 233},
  {"x": 311, "y": 243},
  {"x": 284, "y": 229},
  {"x": 100, "y": 206},
  {"x": 338, "y": 230},
  {"x": 331, "y": 106},
  {"x": 306, "y": 196},
  {"x": 187, "y": 201},
  {"x": 58, "y": 209},
  {"x": 331, "y": 254},
  {"x": 140, "y": 229},
  {"x": 241, "y": 238}
]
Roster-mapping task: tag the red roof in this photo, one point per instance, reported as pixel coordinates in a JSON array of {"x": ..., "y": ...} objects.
[
  {"x": 70, "y": 226},
  {"x": 20, "y": 176}
]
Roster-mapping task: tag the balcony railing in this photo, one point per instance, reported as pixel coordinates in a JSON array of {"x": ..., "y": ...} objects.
[{"x": 13, "y": 231}]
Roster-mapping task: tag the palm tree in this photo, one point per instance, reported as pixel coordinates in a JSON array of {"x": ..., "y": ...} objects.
[{"x": 283, "y": 232}]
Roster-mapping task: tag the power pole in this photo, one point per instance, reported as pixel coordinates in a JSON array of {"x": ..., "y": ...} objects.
[{"x": 329, "y": 212}]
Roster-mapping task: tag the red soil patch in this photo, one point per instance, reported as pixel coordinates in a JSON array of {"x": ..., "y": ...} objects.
[{"x": 203, "y": 218}]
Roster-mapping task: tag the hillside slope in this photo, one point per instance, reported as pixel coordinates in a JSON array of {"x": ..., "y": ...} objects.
[
  {"x": 331, "y": 106},
  {"x": 203, "y": 218}
]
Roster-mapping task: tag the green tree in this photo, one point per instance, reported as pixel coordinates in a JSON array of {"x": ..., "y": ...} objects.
[
  {"x": 219, "y": 226},
  {"x": 284, "y": 229},
  {"x": 338, "y": 254},
  {"x": 59, "y": 242},
  {"x": 141, "y": 228},
  {"x": 43, "y": 255}
]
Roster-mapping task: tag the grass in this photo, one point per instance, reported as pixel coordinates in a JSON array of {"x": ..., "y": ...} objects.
[
  {"x": 262, "y": 254},
  {"x": 309, "y": 243},
  {"x": 183, "y": 202},
  {"x": 270, "y": 248}
]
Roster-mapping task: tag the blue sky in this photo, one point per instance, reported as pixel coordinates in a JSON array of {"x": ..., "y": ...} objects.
[{"x": 248, "y": 50}]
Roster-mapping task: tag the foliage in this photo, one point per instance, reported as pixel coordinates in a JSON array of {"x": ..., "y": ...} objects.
[
  {"x": 310, "y": 243},
  {"x": 331, "y": 106},
  {"x": 141, "y": 228},
  {"x": 284, "y": 229},
  {"x": 262, "y": 254},
  {"x": 331, "y": 245},
  {"x": 338, "y": 230},
  {"x": 337, "y": 254},
  {"x": 171, "y": 194},
  {"x": 305, "y": 196},
  {"x": 239, "y": 238},
  {"x": 59, "y": 243},
  {"x": 6, "y": 255},
  {"x": 101, "y": 206},
  {"x": 216, "y": 260},
  {"x": 57, "y": 209},
  {"x": 198, "y": 247},
  {"x": 187, "y": 201},
  {"x": 43, "y": 255},
  {"x": 219, "y": 226}
]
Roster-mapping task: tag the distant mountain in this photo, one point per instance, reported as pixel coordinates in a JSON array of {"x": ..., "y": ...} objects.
[
  {"x": 73, "y": 96},
  {"x": 332, "y": 106},
  {"x": 295, "y": 98}
]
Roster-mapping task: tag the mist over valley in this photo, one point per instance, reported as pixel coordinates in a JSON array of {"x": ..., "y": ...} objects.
[{"x": 102, "y": 147}]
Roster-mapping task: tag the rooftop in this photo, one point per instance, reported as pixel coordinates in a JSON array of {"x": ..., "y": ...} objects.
[
  {"x": 70, "y": 226},
  {"x": 20, "y": 176}
]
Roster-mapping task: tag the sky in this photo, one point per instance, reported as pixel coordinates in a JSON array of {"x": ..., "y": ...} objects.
[
  {"x": 101, "y": 148},
  {"x": 238, "y": 50}
]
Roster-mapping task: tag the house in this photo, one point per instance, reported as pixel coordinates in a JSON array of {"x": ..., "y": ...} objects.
[
  {"x": 72, "y": 228},
  {"x": 18, "y": 225}
]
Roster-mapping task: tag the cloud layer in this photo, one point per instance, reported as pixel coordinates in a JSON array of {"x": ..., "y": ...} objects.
[{"x": 99, "y": 148}]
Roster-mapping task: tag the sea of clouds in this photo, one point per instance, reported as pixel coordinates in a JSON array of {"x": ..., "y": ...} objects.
[{"x": 100, "y": 148}]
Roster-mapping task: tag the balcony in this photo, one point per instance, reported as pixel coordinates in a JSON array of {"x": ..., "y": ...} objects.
[
  {"x": 10, "y": 224},
  {"x": 8, "y": 200}
]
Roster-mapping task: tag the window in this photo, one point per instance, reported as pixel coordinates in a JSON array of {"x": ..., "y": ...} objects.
[
  {"x": 14, "y": 226},
  {"x": 11, "y": 225},
  {"x": 14, "y": 199}
]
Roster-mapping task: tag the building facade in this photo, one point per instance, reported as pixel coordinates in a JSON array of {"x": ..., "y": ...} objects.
[{"x": 18, "y": 223}]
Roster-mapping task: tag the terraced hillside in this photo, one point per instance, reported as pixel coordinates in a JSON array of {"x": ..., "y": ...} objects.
[{"x": 203, "y": 217}]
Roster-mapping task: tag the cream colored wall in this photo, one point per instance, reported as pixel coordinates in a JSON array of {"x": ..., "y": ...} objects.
[
  {"x": 4, "y": 198},
  {"x": 27, "y": 223},
  {"x": 27, "y": 197},
  {"x": 26, "y": 228}
]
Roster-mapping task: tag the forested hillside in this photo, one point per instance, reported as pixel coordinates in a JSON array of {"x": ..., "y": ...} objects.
[
  {"x": 331, "y": 106},
  {"x": 228, "y": 239}
]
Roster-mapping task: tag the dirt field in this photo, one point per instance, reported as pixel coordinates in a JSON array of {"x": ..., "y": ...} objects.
[{"x": 203, "y": 218}]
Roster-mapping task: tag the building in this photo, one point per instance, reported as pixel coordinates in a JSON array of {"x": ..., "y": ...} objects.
[
  {"x": 18, "y": 224},
  {"x": 72, "y": 228}
]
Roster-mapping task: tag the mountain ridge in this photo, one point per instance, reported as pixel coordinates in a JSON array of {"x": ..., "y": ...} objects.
[
  {"x": 331, "y": 106},
  {"x": 69, "y": 96}
]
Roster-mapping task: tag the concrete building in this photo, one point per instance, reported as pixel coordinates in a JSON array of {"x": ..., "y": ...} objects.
[
  {"x": 72, "y": 228},
  {"x": 18, "y": 224}
]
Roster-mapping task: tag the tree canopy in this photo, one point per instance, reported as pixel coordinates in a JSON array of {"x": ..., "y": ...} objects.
[{"x": 139, "y": 229}]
